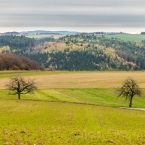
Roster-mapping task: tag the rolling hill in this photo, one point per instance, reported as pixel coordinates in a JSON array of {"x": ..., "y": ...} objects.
[{"x": 85, "y": 51}]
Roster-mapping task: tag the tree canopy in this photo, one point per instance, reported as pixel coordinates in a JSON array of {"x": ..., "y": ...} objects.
[
  {"x": 129, "y": 89},
  {"x": 18, "y": 85},
  {"x": 9, "y": 61}
]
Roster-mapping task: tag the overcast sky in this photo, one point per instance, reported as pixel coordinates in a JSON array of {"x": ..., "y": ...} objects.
[{"x": 75, "y": 15}]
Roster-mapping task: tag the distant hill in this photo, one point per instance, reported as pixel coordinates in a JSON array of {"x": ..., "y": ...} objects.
[
  {"x": 85, "y": 51},
  {"x": 11, "y": 33},
  {"x": 91, "y": 52},
  {"x": 40, "y": 32},
  {"x": 143, "y": 33},
  {"x": 50, "y": 32},
  {"x": 16, "y": 44}
]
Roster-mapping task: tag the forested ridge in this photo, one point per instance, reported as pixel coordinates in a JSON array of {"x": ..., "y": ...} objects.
[
  {"x": 78, "y": 52},
  {"x": 17, "y": 43}
]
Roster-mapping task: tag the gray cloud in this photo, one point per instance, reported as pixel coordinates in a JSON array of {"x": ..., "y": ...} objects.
[{"x": 76, "y": 13}]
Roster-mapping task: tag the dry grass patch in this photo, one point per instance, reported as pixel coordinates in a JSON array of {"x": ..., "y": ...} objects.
[{"x": 95, "y": 79}]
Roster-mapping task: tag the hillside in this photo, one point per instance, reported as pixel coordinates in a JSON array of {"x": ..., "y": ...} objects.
[
  {"x": 78, "y": 115},
  {"x": 90, "y": 52},
  {"x": 47, "y": 123},
  {"x": 79, "y": 52}
]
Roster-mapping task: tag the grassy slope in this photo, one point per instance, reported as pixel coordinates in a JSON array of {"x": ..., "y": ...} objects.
[
  {"x": 101, "y": 96},
  {"x": 43, "y": 122},
  {"x": 80, "y": 87},
  {"x": 128, "y": 37},
  {"x": 46, "y": 123}
]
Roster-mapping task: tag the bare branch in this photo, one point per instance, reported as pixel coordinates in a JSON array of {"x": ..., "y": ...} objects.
[
  {"x": 18, "y": 85},
  {"x": 129, "y": 89}
]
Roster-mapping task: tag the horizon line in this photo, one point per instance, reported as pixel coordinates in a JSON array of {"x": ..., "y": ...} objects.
[{"x": 61, "y": 30}]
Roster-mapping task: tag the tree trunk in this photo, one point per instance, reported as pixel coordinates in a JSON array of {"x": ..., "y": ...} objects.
[
  {"x": 130, "y": 103},
  {"x": 19, "y": 96}
]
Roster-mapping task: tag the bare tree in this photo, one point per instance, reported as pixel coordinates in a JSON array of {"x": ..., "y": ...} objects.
[
  {"x": 129, "y": 89},
  {"x": 18, "y": 85}
]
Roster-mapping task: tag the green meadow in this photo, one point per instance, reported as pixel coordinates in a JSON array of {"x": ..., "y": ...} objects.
[
  {"x": 38, "y": 122},
  {"x": 56, "y": 36},
  {"x": 94, "y": 96},
  {"x": 128, "y": 37},
  {"x": 72, "y": 108},
  {"x": 125, "y": 37}
]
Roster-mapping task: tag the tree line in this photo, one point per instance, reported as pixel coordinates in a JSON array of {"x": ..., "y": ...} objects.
[
  {"x": 17, "y": 41},
  {"x": 80, "y": 60},
  {"x": 9, "y": 61}
]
